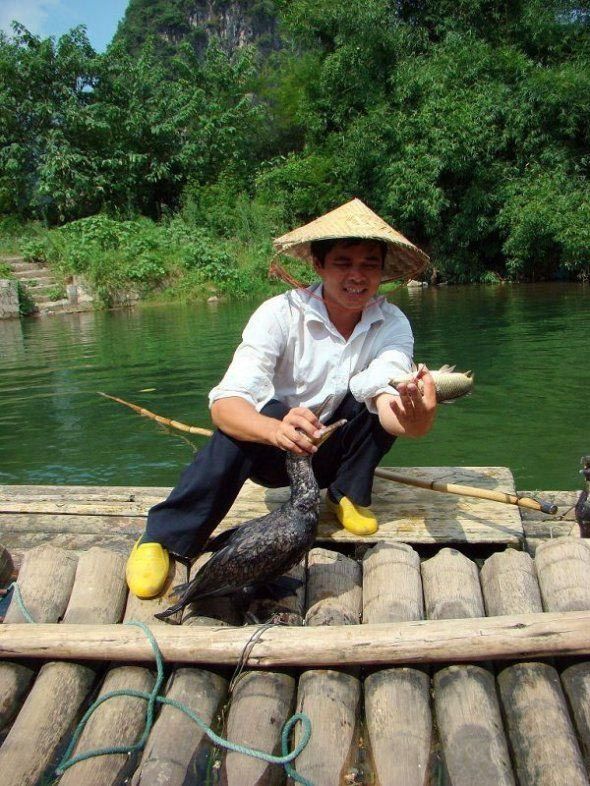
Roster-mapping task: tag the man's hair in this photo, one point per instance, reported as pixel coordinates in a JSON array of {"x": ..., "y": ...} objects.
[{"x": 320, "y": 248}]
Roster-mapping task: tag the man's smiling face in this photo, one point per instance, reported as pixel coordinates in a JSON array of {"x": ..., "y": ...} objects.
[{"x": 351, "y": 274}]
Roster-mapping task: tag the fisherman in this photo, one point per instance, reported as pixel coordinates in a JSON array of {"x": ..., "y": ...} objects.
[{"x": 333, "y": 342}]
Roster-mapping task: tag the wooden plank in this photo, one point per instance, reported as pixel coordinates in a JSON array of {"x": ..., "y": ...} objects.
[
  {"x": 53, "y": 705},
  {"x": 541, "y": 734},
  {"x": 427, "y": 641},
  {"x": 330, "y": 698},
  {"x": 404, "y": 513},
  {"x": 397, "y": 701},
  {"x": 21, "y": 543},
  {"x": 467, "y": 710},
  {"x": 539, "y": 527}
]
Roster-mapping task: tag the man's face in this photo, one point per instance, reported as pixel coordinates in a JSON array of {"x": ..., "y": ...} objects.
[{"x": 351, "y": 274}]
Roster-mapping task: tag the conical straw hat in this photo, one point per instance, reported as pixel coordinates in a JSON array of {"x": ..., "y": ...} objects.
[{"x": 403, "y": 260}]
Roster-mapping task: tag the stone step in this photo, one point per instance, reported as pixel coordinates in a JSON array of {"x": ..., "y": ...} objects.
[
  {"x": 40, "y": 286},
  {"x": 22, "y": 266},
  {"x": 37, "y": 272},
  {"x": 41, "y": 300},
  {"x": 54, "y": 306}
]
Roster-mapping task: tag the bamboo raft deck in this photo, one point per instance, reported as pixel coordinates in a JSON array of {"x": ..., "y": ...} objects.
[{"x": 450, "y": 724}]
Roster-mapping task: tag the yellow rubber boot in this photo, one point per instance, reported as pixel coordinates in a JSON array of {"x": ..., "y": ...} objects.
[
  {"x": 147, "y": 569},
  {"x": 354, "y": 518}
]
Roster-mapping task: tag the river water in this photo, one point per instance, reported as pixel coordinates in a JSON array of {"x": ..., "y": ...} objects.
[{"x": 526, "y": 344}]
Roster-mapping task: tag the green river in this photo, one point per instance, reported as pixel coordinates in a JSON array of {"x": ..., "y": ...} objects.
[{"x": 526, "y": 344}]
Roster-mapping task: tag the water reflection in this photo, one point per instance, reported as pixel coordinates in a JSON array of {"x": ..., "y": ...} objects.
[{"x": 526, "y": 345}]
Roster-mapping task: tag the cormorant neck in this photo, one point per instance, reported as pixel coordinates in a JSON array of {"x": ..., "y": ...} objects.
[{"x": 305, "y": 492}]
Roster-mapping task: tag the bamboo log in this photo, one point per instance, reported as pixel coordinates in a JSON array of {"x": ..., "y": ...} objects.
[
  {"x": 544, "y": 748},
  {"x": 470, "y": 725},
  {"x": 468, "y": 491},
  {"x": 330, "y": 697},
  {"x": 262, "y": 702},
  {"x": 119, "y": 721},
  {"x": 397, "y": 701},
  {"x": 425, "y": 641},
  {"x": 563, "y": 566},
  {"x": 543, "y": 741},
  {"x": 45, "y": 582},
  {"x": 53, "y": 705},
  {"x": 176, "y": 749},
  {"x": 466, "y": 705}
]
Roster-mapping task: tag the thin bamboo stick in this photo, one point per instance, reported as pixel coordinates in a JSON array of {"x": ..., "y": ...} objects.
[
  {"x": 424, "y": 641},
  {"x": 206, "y": 432},
  {"x": 468, "y": 491}
]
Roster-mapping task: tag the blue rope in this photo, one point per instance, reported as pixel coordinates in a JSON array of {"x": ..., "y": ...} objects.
[
  {"x": 154, "y": 698},
  {"x": 19, "y": 601}
]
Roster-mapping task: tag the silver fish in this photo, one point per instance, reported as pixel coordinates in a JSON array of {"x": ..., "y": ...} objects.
[{"x": 450, "y": 384}]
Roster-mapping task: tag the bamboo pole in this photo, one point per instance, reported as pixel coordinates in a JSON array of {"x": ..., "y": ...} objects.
[
  {"x": 468, "y": 491},
  {"x": 448, "y": 488},
  {"x": 205, "y": 432},
  {"x": 424, "y": 641}
]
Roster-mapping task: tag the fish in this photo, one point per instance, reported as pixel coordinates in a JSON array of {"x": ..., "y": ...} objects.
[
  {"x": 262, "y": 549},
  {"x": 450, "y": 384}
]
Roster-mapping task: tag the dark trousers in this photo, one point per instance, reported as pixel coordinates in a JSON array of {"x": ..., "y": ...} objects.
[{"x": 344, "y": 464}]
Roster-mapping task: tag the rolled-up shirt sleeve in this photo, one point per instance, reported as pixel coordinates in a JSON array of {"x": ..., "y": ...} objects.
[
  {"x": 251, "y": 371},
  {"x": 393, "y": 359}
]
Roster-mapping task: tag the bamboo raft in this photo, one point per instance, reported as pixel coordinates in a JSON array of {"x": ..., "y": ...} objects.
[{"x": 443, "y": 720}]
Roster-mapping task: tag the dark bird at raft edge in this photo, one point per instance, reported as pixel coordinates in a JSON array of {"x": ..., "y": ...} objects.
[{"x": 263, "y": 549}]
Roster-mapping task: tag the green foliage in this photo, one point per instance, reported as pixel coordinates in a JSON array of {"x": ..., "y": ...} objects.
[
  {"x": 464, "y": 123},
  {"x": 26, "y": 304},
  {"x": 5, "y": 270}
]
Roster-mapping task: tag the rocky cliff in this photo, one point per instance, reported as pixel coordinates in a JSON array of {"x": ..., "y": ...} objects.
[{"x": 234, "y": 23}]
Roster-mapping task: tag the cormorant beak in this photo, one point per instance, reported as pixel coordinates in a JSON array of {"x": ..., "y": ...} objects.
[{"x": 327, "y": 431}]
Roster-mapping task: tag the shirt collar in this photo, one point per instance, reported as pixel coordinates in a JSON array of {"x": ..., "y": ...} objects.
[{"x": 315, "y": 310}]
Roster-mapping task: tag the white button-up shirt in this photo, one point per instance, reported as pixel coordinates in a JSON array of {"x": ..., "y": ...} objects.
[{"x": 292, "y": 352}]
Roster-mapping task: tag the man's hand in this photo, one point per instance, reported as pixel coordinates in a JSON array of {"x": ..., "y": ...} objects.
[
  {"x": 238, "y": 418},
  {"x": 412, "y": 413},
  {"x": 296, "y": 430}
]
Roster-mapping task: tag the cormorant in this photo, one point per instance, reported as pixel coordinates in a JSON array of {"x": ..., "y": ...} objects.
[{"x": 264, "y": 548}]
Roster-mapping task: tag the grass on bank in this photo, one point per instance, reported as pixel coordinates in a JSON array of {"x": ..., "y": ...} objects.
[{"x": 174, "y": 259}]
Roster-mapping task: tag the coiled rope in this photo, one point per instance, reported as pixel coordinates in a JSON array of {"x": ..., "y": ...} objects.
[{"x": 153, "y": 698}]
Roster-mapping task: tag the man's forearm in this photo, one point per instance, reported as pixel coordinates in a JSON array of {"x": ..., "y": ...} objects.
[{"x": 238, "y": 418}]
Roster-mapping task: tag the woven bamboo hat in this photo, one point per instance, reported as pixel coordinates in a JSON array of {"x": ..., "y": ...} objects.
[{"x": 403, "y": 260}]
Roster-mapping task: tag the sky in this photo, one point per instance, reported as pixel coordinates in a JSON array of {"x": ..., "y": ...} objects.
[{"x": 55, "y": 17}]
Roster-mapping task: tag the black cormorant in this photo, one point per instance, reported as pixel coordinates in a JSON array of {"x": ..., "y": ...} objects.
[{"x": 264, "y": 548}]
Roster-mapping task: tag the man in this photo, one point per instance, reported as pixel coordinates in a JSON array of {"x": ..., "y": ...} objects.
[{"x": 334, "y": 347}]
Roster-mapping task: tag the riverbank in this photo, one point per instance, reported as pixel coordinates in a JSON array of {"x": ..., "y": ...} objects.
[
  {"x": 140, "y": 259},
  {"x": 122, "y": 261}
]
